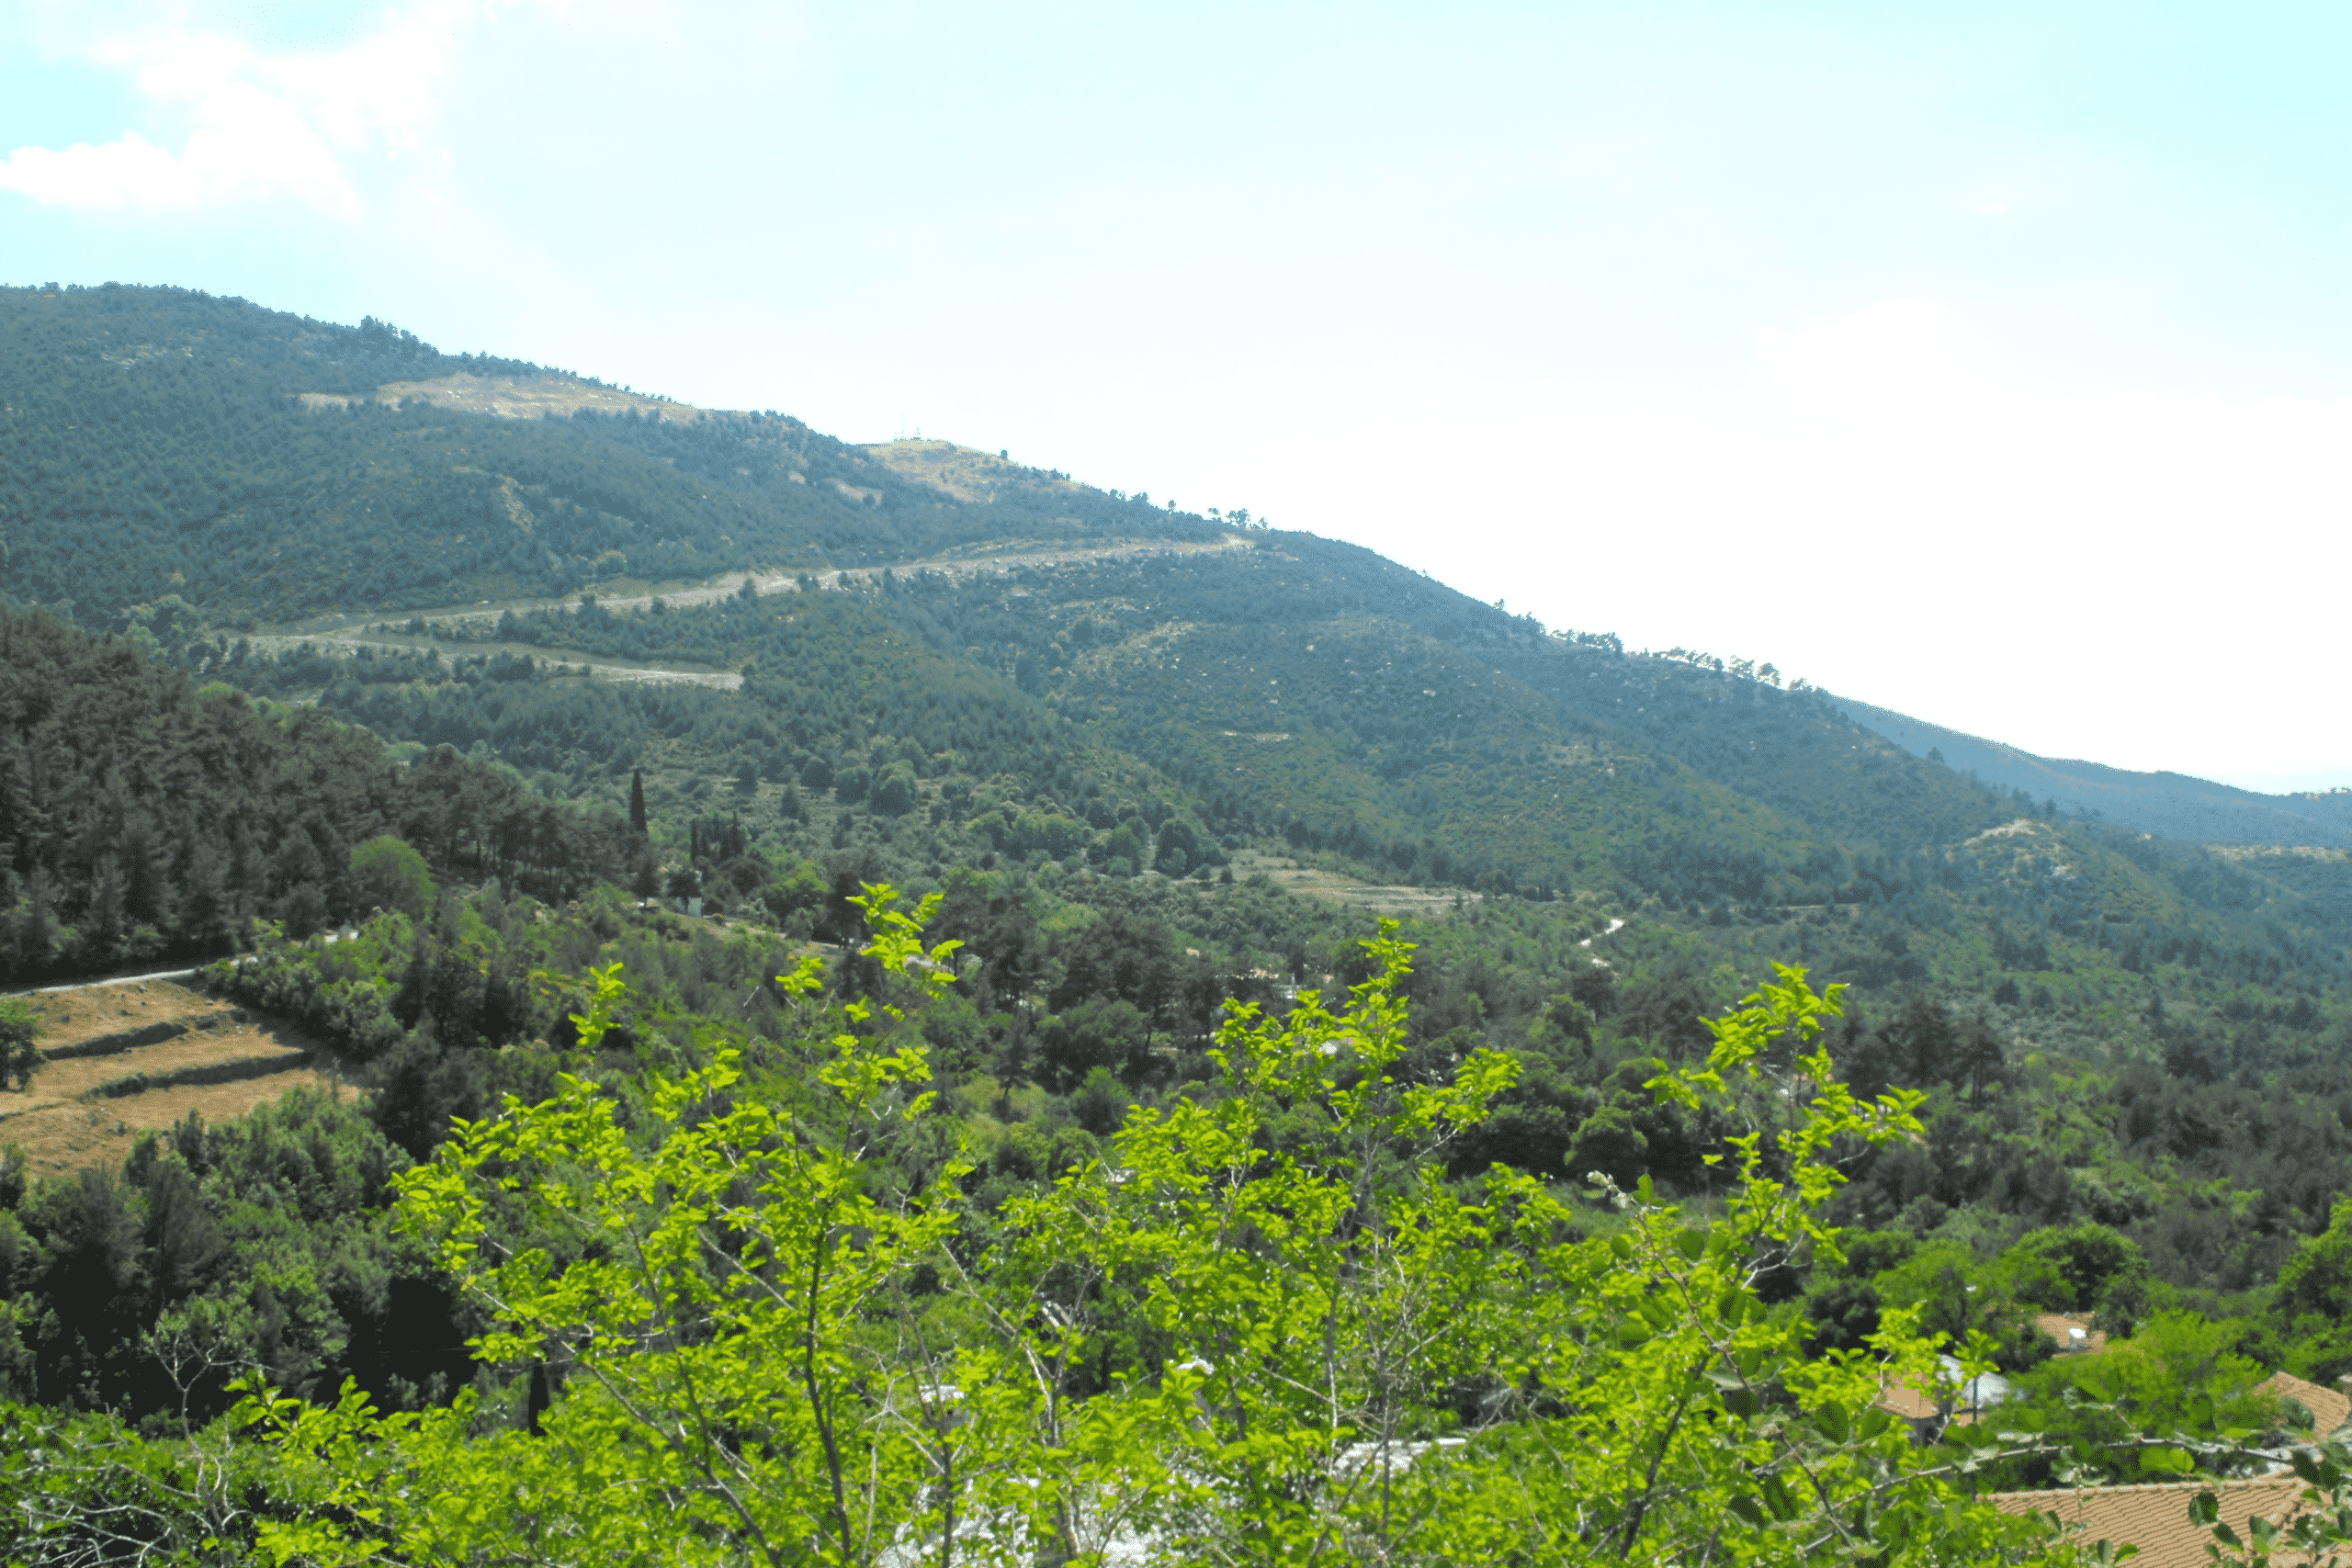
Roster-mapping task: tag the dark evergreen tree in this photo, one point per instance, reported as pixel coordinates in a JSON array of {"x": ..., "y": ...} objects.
[
  {"x": 141, "y": 818},
  {"x": 636, "y": 799}
]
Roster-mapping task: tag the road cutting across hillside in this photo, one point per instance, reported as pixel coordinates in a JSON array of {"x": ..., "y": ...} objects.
[
  {"x": 346, "y": 633},
  {"x": 348, "y": 643}
]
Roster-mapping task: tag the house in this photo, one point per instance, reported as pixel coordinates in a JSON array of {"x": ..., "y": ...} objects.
[
  {"x": 1966, "y": 1400},
  {"x": 1912, "y": 1406},
  {"x": 2155, "y": 1517},
  {"x": 2071, "y": 1332}
]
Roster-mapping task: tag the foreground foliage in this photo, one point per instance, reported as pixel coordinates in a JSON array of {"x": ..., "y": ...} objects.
[{"x": 1264, "y": 1328}]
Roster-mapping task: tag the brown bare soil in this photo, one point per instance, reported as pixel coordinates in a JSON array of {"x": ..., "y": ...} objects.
[
  {"x": 965, "y": 472},
  {"x": 82, "y": 1134},
  {"x": 186, "y": 1057},
  {"x": 514, "y": 397},
  {"x": 85, "y": 1111},
  {"x": 87, "y": 1011},
  {"x": 1346, "y": 890}
]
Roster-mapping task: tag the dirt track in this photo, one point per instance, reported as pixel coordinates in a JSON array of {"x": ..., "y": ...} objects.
[{"x": 347, "y": 633}]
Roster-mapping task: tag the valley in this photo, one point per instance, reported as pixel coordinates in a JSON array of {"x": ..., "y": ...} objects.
[{"x": 382, "y": 713}]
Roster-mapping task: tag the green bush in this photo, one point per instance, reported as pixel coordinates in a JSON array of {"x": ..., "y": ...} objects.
[
  {"x": 20, "y": 1028},
  {"x": 387, "y": 874}
]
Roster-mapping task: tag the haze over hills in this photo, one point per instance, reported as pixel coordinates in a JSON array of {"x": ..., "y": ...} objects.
[{"x": 2173, "y": 805}]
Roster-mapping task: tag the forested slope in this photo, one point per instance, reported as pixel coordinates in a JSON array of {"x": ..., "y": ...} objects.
[
  {"x": 2174, "y": 804},
  {"x": 1147, "y": 787},
  {"x": 1102, "y": 717},
  {"x": 141, "y": 818},
  {"x": 159, "y": 442}
]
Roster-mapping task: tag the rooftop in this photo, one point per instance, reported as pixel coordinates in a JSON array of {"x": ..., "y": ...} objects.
[
  {"x": 2062, "y": 1327},
  {"x": 2155, "y": 1517},
  {"x": 2330, "y": 1407}
]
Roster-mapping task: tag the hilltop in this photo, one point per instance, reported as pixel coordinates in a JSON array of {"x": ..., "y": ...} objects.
[{"x": 262, "y": 467}]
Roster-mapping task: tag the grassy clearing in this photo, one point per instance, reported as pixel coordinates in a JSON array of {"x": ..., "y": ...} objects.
[
  {"x": 87, "y": 1110},
  {"x": 1430, "y": 903}
]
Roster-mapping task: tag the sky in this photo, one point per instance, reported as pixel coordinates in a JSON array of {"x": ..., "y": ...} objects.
[{"x": 1990, "y": 363}]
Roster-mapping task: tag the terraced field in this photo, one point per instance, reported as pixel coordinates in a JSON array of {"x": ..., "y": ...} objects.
[
  {"x": 125, "y": 1058},
  {"x": 1430, "y": 903}
]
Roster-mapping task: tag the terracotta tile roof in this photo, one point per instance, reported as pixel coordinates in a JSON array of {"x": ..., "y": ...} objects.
[
  {"x": 2060, "y": 1327},
  {"x": 1909, "y": 1402},
  {"x": 2330, "y": 1407},
  {"x": 1902, "y": 1400},
  {"x": 2155, "y": 1518}
]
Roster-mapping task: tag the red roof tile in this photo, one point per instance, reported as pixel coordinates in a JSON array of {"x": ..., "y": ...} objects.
[
  {"x": 1902, "y": 1400},
  {"x": 2155, "y": 1518},
  {"x": 2330, "y": 1407}
]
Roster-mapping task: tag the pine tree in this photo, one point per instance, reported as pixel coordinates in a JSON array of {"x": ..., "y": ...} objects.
[{"x": 636, "y": 799}]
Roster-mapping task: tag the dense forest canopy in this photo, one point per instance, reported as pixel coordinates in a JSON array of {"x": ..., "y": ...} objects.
[
  {"x": 141, "y": 818},
  {"x": 1153, "y": 767}
]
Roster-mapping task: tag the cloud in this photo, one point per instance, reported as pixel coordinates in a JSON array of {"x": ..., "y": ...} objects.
[
  {"x": 264, "y": 123},
  {"x": 250, "y": 143}
]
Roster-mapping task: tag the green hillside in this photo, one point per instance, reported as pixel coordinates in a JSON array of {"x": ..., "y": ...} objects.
[
  {"x": 142, "y": 818},
  {"x": 165, "y": 442},
  {"x": 1151, "y": 764},
  {"x": 1099, "y": 687}
]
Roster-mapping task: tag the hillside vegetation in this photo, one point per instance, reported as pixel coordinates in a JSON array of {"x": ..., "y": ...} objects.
[
  {"x": 141, "y": 818},
  {"x": 1095, "y": 751},
  {"x": 165, "y": 442}
]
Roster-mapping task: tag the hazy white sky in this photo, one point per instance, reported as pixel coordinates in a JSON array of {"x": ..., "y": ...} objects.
[{"x": 1993, "y": 363}]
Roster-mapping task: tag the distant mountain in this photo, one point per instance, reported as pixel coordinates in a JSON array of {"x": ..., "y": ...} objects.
[
  {"x": 2173, "y": 805},
  {"x": 832, "y": 661}
]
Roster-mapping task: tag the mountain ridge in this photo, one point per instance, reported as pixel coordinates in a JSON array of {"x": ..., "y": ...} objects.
[
  {"x": 2177, "y": 805},
  {"x": 1046, "y": 673},
  {"x": 645, "y": 489}
]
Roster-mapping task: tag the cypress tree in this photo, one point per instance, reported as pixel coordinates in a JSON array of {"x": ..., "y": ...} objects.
[{"x": 636, "y": 799}]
